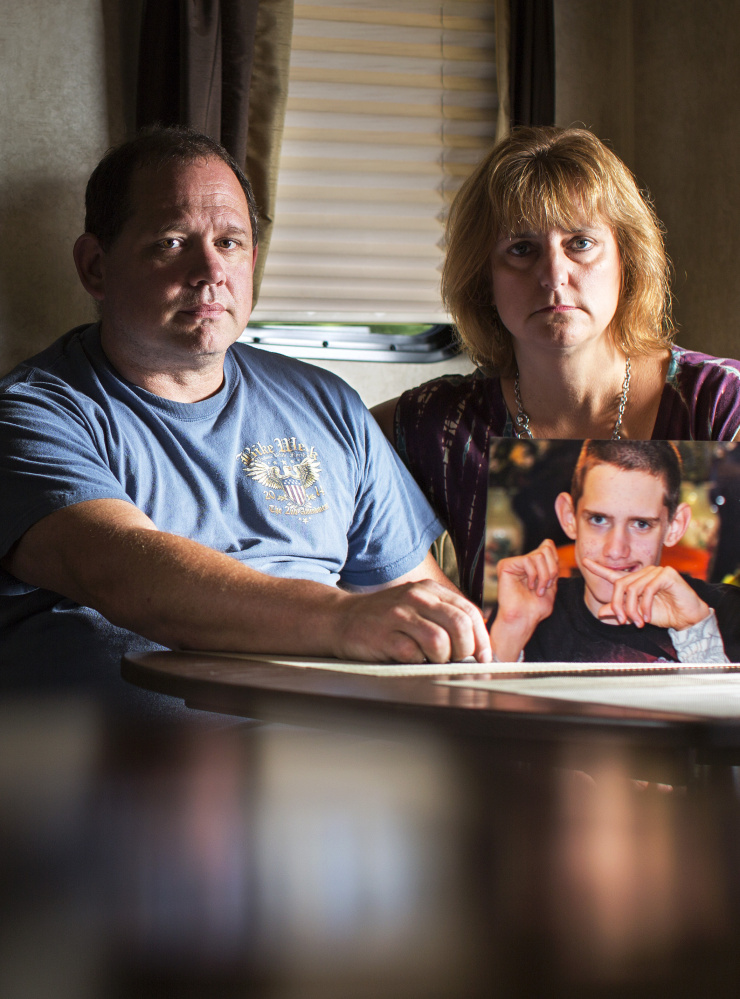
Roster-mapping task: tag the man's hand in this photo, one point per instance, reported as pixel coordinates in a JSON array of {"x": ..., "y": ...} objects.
[
  {"x": 527, "y": 585},
  {"x": 653, "y": 595},
  {"x": 410, "y": 623}
]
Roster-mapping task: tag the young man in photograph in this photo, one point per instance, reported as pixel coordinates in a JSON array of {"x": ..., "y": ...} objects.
[{"x": 623, "y": 509}]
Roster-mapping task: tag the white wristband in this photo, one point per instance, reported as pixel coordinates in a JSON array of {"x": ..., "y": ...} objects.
[
  {"x": 497, "y": 660},
  {"x": 700, "y": 642}
]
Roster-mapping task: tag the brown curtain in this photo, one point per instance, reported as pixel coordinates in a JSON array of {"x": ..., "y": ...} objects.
[
  {"x": 503, "y": 118},
  {"x": 221, "y": 67},
  {"x": 531, "y": 62}
]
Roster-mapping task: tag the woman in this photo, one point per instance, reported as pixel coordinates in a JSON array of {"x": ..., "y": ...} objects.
[{"x": 558, "y": 282}]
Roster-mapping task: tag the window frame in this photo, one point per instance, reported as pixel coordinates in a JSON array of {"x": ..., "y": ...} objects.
[{"x": 332, "y": 343}]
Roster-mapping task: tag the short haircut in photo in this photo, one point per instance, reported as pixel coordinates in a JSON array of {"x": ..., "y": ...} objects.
[{"x": 658, "y": 458}]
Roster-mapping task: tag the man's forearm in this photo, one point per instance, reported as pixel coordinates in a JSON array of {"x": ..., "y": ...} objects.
[
  {"x": 219, "y": 603},
  {"x": 179, "y": 593},
  {"x": 183, "y": 595},
  {"x": 175, "y": 591}
]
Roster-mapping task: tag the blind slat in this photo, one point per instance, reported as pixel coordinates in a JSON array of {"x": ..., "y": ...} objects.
[
  {"x": 348, "y": 168},
  {"x": 406, "y": 18},
  {"x": 441, "y": 109},
  {"x": 333, "y": 241},
  {"x": 386, "y": 138},
  {"x": 325, "y": 74},
  {"x": 403, "y": 49}
]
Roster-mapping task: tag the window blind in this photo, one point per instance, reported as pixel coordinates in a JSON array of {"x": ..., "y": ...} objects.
[{"x": 390, "y": 105}]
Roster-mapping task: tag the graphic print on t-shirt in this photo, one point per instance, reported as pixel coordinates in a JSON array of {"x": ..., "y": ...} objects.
[{"x": 289, "y": 473}]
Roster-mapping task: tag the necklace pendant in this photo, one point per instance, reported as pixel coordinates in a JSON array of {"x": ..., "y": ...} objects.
[{"x": 522, "y": 429}]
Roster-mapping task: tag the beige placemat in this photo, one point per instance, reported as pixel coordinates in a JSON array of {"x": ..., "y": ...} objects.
[
  {"x": 714, "y": 694},
  {"x": 366, "y": 669},
  {"x": 461, "y": 668},
  {"x": 527, "y": 669}
]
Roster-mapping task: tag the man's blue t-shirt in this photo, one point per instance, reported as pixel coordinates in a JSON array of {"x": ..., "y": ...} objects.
[{"x": 283, "y": 468}]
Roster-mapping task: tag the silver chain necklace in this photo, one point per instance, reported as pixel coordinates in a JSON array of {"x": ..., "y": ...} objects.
[{"x": 521, "y": 420}]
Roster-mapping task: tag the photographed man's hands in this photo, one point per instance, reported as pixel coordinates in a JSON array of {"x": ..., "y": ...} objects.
[
  {"x": 656, "y": 594},
  {"x": 527, "y": 585}
]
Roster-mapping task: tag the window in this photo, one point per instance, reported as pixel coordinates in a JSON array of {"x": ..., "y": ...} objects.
[{"x": 390, "y": 105}]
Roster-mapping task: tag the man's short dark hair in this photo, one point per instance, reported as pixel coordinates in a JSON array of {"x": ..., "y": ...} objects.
[
  {"x": 107, "y": 198},
  {"x": 659, "y": 458}
]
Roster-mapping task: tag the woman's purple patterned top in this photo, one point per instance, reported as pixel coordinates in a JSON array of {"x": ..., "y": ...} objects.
[{"x": 443, "y": 430}]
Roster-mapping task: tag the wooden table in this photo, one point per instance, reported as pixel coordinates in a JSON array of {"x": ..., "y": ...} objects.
[{"x": 656, "y": 745}]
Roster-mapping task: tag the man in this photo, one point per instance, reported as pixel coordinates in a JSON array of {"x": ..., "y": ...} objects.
[
  {"x": 622, "y": 510},
  {"x": 164, "y": 487}
]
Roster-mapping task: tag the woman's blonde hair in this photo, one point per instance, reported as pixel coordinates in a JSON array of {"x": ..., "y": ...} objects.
[{"x": 543, "y": 178}]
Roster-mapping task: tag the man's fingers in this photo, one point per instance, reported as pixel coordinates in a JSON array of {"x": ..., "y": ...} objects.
[
  {"x": 552, "y": 562},
  {"x": 540, "y": 567},
  {"x": 607, "y": 613},
  {"x": 652, "y": 581},
  {"x": 633, "y": 595},
  {"x": 535, "y": 569},
  {"x": 446, "y": 626},
  {"x": 612, "y": 575},
  {"x": 413, "y": 622},
  {"x": 547, "y": 566}
]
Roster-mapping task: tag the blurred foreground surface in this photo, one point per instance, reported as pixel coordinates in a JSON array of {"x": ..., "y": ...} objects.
[{"x": 267, "y": 861}]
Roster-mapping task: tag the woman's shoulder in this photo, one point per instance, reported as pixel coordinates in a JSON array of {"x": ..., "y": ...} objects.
[
  {"x": 701, "y": 397},
  {"x": 477, "y": 392},
  {"x": 450, "y": 416},
  {"x": 696, "y": 364}
]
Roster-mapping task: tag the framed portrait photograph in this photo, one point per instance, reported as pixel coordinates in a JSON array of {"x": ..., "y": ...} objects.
[{"x": 635, "y": 545}]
